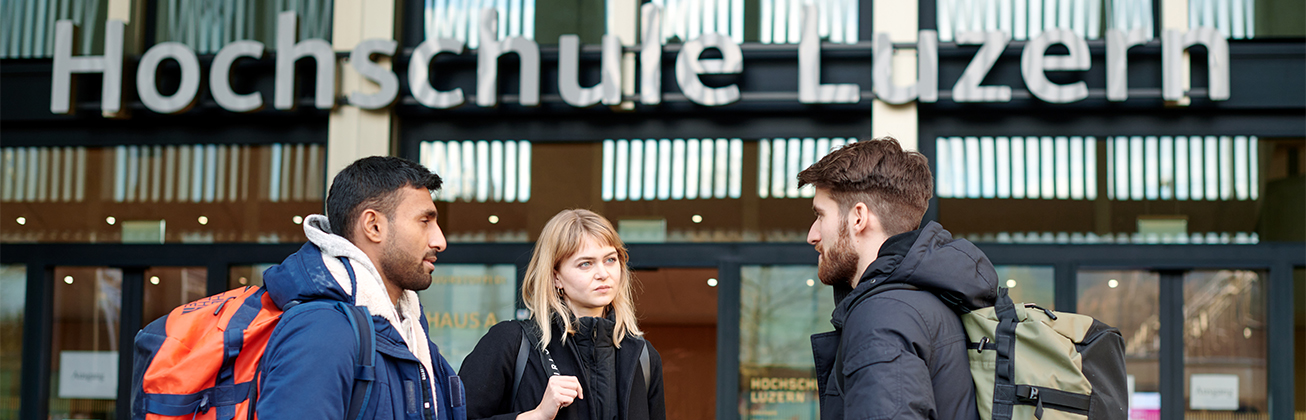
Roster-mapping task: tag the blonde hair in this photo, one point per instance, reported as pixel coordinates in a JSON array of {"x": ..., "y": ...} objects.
[{"x": 562, "y": 237}]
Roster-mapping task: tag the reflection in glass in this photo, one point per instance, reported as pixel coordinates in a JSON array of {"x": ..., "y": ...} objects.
[
  {"x": 246, "y": 275},
  {"x": 84, "y": 359},
  {"x": 1028, "y": 284},
  {"x": 169, "y": 287},
  {"x": 780, "y": 308},
  {"x": 1299, "y": 336},
  {"x": 13, "y": 302},
  {"x": 1129, "y": 301},
  {"x": 1225, "y": 343},
  {"x": 464, "y": 301}
]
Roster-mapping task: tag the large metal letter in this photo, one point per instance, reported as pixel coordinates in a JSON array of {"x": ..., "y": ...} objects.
[
  {"x": 927, "y": 70},
  {"x": 190, "y": 78},
  {"x": 419, "y": 78},
  {"x": 487, "y": 63},
  {"x": 1173, "y": 45},
  {"x": 1034, "y": 61},
  {"x": 650, "y": 55},
  {"x": 609, "y": 87},
  {"x": 220, "y": 77},
  {"x": 968, "y": 87},
  {"x": 361, "y": 59},
  {"x": 1117, "y": 61},
  {"x": 810, "y": 89},
  {"x": 289, "y": 51},
  {"x": 108, "y": 65},
  {"x": 689, "y": 66}
]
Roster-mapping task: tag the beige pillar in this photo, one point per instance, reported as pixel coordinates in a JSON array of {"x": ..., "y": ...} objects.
[
  {"x": 132, "y": 13},
  {"x": 898, "y": 18},
  {"x": 354, "y": 133},
  {"x": 1174, "y": 16}
]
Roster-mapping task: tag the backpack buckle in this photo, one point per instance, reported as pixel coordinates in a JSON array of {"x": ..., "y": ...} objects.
[{"x": 980, "y": 348}]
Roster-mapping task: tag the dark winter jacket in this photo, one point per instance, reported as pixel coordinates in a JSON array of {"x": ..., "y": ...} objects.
[
  {"x": 310, "y": 359},
  {"x": 904, "y": 350},
  {"x": 488, "y": 374}
]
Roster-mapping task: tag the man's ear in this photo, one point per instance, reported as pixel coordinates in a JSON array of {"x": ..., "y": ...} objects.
[
  {"x": 862, "y": 220},
  {"x": 372, "y": 225}
]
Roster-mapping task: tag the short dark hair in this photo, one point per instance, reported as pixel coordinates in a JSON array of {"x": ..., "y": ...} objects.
[
  {"x": 895, "y": 184},
  {"x": 373, "y": 182}
]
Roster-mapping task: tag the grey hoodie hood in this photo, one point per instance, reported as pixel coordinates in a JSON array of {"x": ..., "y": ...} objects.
[{"x": 929, "y": 259}]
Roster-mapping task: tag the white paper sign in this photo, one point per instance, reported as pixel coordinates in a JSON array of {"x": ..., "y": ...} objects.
[
  {"x": 1213, "y": 392},
  {"x": 88, "y": 374}
]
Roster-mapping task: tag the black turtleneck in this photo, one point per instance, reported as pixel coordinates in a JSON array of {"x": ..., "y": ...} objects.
[{"x": 597, "y": 355}]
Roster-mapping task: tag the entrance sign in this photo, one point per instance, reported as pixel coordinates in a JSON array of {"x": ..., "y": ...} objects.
[
  {"x": 1034, "y": 63},
  {"x": 1213, "y": 392},
  {"x": 88, "y": 374}
]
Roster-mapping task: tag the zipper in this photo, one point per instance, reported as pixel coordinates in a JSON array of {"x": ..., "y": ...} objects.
[{"x": 426, "y": 392}]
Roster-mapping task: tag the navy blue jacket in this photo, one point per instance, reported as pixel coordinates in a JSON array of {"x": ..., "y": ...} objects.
[
  {"x": 308, "y": 367},
  {"x": 904, "y": 350}
]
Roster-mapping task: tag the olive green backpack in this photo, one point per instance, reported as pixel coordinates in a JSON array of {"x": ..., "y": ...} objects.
[{"x": 1029, "y": 362}]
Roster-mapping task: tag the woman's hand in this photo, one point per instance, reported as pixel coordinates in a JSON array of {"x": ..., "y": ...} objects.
[{"x": 561, "y": 391}]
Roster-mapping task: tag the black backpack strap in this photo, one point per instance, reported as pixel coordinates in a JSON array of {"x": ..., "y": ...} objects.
[
  {"x": 365, "y": 368},
  {"x": 643, "y": 363},
  {"x": 1004, "y": 386},
  {"x": 838, "y": 354},
  {"x": 522, "y": 352}
]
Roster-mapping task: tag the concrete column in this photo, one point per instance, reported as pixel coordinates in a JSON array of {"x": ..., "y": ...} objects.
[
  {"x": 1174, "y": 16},
  {"x": 355, "y": 133},
  {"x": 898, "y": 18}
]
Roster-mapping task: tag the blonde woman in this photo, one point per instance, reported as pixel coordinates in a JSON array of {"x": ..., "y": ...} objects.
[{"x": 580, "y": 355}]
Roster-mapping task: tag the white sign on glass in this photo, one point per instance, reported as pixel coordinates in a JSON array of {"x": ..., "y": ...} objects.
[
  {"x": 1213, "y": 392},
  {"x": 88, "y": 374}
]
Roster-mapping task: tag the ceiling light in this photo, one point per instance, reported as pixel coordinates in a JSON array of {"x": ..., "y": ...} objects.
[
  {"x": 154, "y": 280},
  {"x": 697, "y": 218},
  {"x": 110, "y": 220},
  {"x": 711, "y": 282},
  {"x": 811, "y": 282},
  {"x": 494, "y": 219},
  {"x": 68, "y": 279},
  {"x": 1112, "y": 283},
  {"x": 1011, "y": 283},
  {"x": 204, "y": 220},
  {"x": 244, "y": 280},
  {"x": 297, "y": 219},
  {"x": 22, "y": 220}
]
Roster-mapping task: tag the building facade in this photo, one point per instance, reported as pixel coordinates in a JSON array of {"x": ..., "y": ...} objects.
[{"x": 1140, "y": 161}]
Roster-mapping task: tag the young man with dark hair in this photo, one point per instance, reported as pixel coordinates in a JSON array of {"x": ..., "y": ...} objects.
[
  {"x": 897, "y": 350},
  {"x": 375, "y": 250}
]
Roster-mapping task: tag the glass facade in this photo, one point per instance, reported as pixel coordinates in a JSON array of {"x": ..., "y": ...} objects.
[
  {"x": 1127, "y": 189},
  {"x": 1225, "y": 344},
  {"x": 780, "y": 308},
  {"x": 1129, "y": 301},
  {"x": 464, "y": 301},
  {"x": 160, "y": 194},
  {"x": 166, "y": 288},
  {"x": 13, "y": 304},
  {"x": 84, "y": 358}
]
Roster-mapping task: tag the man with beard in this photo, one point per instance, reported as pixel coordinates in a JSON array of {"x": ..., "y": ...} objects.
[
  {"x": 897, "y": 350},
  {"x": 375, "y": 248}
]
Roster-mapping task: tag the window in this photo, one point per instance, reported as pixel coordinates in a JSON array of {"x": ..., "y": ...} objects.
[
  {"x": 209, "y": 26},
  {"x": 668, "y": 169},
  {"x": 780, "y": 308},
  {"x": 27, "y": 27},
  {"x": 1225, "y": 343},
  {"x": 13, "y": 305},
  {"x": 780, "y": 160},
  {"x": 1128, "y": 300},
  {"x": 85, "y": 352},
  {"x": 497, "y": 170},
  {"x": 464, "y": 301}
]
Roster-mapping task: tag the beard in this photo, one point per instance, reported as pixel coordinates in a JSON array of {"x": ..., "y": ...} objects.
[
  {"x": 838, "y": 260},
  {"x": 399, "y": 267}
]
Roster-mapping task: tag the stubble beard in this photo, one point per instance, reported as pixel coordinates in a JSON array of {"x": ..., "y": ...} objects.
[
  {"x": 397, "y": 266},
  {"x": 838, "y": 260}
]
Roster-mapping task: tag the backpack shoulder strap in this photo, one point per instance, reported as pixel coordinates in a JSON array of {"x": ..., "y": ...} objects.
[
  {"x": 365, "y": 367},
  {"x": 838, "y": 354},
  {"x": 523, "y": 352},
  {"x": 643, "y": 364}
]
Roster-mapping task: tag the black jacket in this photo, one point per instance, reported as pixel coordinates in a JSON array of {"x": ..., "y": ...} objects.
[
  {"x": 487, "y": 374},
  {"x": 904, "y": 350}
]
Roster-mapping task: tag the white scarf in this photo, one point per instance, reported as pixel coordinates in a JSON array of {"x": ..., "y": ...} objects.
[{"x": 404, "y": 317}]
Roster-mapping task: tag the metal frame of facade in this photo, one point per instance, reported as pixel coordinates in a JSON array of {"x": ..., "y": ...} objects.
[{"x": 1171, "y": 261}]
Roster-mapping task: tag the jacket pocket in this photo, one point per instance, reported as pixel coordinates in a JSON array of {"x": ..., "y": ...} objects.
[{"x": 410, "y": 397}]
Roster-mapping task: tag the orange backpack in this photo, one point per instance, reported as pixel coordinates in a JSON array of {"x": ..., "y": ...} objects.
[{"x": 202, "y": 360}]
